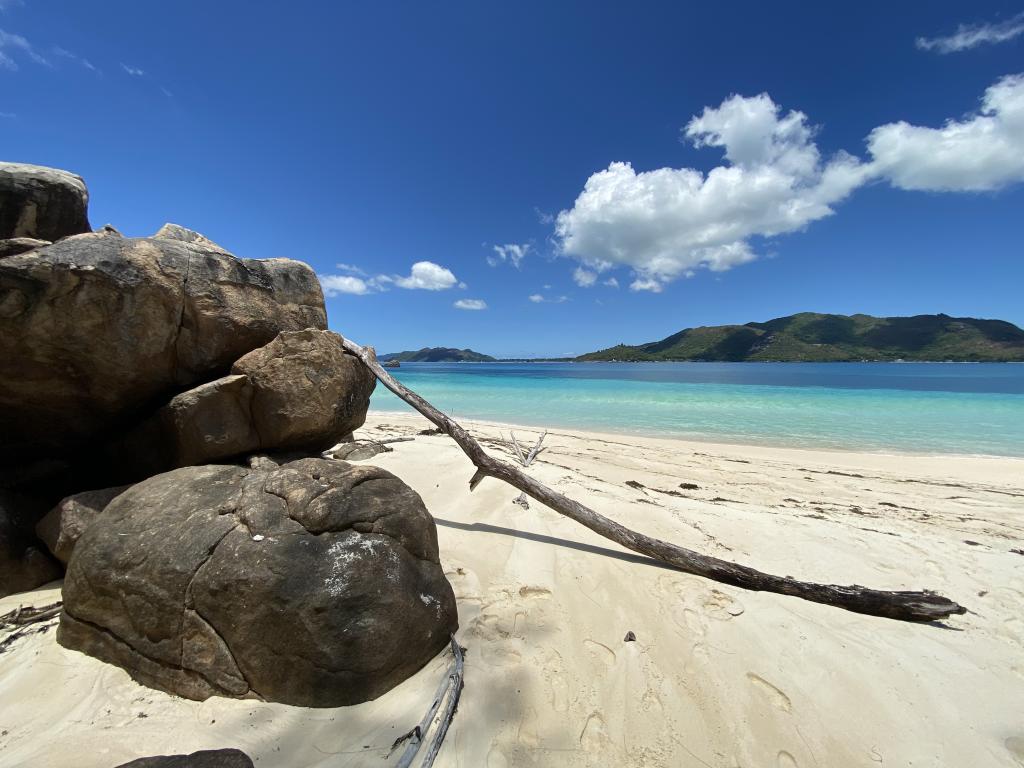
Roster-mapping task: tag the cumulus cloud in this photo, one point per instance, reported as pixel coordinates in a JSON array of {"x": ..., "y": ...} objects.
[
  {"x": 969, "y": 36},
  {"x": 133, "y": 71},
  {"x": 981, "y": 152},
  {"x": 473, "y": 304},
  {"x": 427, "y": 276},
  {"x": 424, "y": 275},
  {"x": 583, "y": 277},
  {"x": 645, "y": 284},
  {"x": 513, "y": 253},
  {"x": 335, "y": 285},
  {"x": 611, "y": 282},
  {"x": 12, "y": 45},
  {"x": 669, "y": 221}
]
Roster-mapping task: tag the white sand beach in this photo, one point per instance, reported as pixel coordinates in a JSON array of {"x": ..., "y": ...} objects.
[{"x": 716, "y": 677}]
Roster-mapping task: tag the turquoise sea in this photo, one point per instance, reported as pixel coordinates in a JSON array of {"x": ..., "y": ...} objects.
[{"x": 947, "y": 408}]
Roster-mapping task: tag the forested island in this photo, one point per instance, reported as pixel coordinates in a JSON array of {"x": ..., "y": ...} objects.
[
  {"x": 437, "y": 355},
  {"x": 813, "y": 337}
]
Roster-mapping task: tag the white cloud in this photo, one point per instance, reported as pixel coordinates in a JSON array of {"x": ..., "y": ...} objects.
[
  {"x": 470, "y": 304},
  {"x": 666, "y": 222},
  {"x": 8, "y": 4},
  {"x": 645, "y": 284},
  {"x": 427, "y": 276},
  {"x": 424, "y": 275},
  {"x": 335, "y": 285},
  {"x": 538, "y": 298},
  {"x": 11, "y": 44},
  {"x": 511, "y": 252},
  {"x": 584, "y": 278},
  {"x": 981, "y": 152},
  {"x": 611, "y": 282},
  {"x": 350, "y": 269},
  {"x": 133, "y": 71},
  {"x": 64, "y": 53},
  {"x": 969, "y": 36}
]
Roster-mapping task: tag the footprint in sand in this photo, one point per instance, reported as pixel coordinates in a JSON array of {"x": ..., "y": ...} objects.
[
  {"x": 534, "y": 592},
  {"x": 600, "y": 651},
  {"x": 722, "y": 606},
  {"x": 559, "y": 693},
  {"x": 786, "y": 760},
  {"x": 778, "y": 699},
  {"x": 594, "y": 736},
  {"x": 495, "y": 648},
  {"x": 496, "y": 757}
]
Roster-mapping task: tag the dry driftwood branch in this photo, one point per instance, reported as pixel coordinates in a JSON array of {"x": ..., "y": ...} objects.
[
  {"x": 451, "y": 686},
  {"x": 526, "y": 459},
  {"x": 21, "y": 620},
  {"x": 535, "y": 451},
  {"x": 23, "y": 616},
  {"x": 514, "y": 445},
  {"x": 905, "y": 606},
  {"x": 454, "y": 692}
]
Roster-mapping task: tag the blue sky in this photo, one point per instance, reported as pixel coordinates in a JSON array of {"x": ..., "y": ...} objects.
[{"x": 655, "y": 165}]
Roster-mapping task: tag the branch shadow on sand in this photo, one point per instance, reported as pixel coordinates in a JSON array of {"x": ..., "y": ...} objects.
[
  {"x": 543, "y": 539},
  {"x": 596, "y": 550}
]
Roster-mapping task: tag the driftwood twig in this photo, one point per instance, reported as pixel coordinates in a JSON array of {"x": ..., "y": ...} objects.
[
  {"x": 22, "y": 616},
  {"x": 450, "y": 686},
  {"x": 535, "y": 451},
  {"x": 21, "y": 619},
  {"x": 905, "y": 606}
]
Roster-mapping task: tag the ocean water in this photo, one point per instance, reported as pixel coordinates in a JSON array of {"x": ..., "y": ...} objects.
[{"x": 944, "y": 408}]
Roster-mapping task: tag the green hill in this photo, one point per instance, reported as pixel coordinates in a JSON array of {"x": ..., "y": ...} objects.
[
  {"x": 812, "y": 337},
  {"x": 437, "y": 355}
]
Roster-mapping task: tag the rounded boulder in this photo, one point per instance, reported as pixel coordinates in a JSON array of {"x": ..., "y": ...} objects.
[{"x": 312, "y": 583}]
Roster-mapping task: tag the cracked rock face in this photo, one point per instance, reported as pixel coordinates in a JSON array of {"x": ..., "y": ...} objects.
[
  {"x": 313, "y": 583},
  {"x": 97, "y": 329}
]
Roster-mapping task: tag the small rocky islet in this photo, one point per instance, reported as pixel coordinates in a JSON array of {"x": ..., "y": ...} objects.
[{"x": 164, "y": 407}]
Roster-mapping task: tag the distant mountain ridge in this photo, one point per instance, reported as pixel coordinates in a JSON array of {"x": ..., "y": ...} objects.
[
  {"x": 438, "y": 355},
  {"x": 813, "y": 337}
]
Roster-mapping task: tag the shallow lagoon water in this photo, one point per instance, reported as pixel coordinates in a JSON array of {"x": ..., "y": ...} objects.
[{"x": 948, "y": 408}]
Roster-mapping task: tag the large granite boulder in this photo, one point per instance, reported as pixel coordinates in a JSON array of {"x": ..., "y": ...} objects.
[
  {"x": 23, "y": 564},
  {"x": 62, "y": 527},
  {"x": 98, "y": 329},
  {"x": 313, "y": 583},
  {"x": 40, "y": 202},
  {"x": 301, "y": 392},
  {"x": 307, "y": 390}
]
